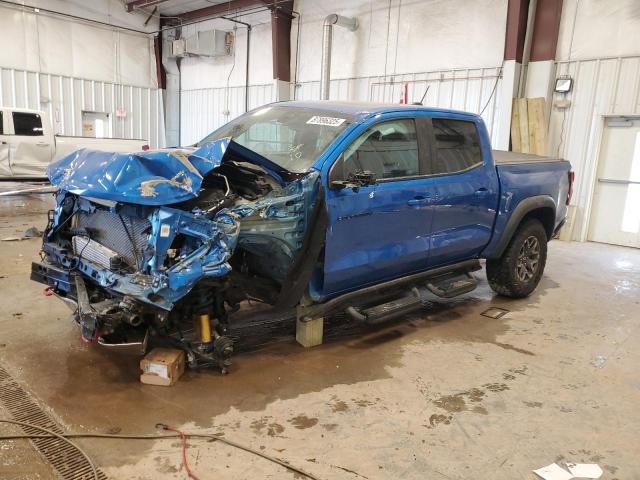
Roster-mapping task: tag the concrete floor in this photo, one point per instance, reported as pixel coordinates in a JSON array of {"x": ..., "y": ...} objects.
[{"x": 446, "y": 393}]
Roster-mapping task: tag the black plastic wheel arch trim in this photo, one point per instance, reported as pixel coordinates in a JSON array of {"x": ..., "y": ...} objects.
[{"x": 524, "y": 207}]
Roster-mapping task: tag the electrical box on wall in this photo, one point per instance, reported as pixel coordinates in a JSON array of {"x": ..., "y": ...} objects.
[{"x": 208, "y": 43}]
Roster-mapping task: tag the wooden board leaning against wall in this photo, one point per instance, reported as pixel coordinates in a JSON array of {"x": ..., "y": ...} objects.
[{"x": 529, "y": 126}]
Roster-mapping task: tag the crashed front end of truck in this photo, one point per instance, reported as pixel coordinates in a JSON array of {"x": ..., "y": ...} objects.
[{"x": 162, "y": 246}]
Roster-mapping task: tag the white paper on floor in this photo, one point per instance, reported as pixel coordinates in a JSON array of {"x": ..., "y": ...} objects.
[
  {"x": 553, "y": 472},
  {"x": 585, "y": 470}
]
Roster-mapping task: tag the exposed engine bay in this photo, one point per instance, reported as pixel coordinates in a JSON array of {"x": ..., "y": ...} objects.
[{"x": 166, "y": 245}]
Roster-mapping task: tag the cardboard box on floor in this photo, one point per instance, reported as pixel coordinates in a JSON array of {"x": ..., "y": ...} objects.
[{"x": 162, "y": 366}]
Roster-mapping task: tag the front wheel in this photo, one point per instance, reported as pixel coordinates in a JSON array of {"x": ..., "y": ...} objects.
[{"x": 517, "y": 273}]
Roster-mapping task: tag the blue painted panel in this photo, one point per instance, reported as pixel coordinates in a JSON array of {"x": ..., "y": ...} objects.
[
  {"x": 465, "y": 207},
  {"x": 375, "y": 234},
  {"x": 524, "y": 180}
]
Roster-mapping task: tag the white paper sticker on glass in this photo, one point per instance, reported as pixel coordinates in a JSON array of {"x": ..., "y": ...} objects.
[{"x": 328, "y": 121}]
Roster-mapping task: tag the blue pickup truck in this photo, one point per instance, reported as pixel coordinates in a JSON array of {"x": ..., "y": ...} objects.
[{"x": 315, "y": 207}]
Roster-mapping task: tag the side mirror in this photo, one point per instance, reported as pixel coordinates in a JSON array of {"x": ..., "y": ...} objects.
[
  {"x": 338, "y": 180},
  {"x": 355, "y": 180}
]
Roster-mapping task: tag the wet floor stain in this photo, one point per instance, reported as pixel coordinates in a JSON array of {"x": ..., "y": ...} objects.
[
  {"x": 363, "y": 402},
  {"x": 302, "y": 422},
  {"x": 470, "y": 400},
  {"x": 338, "y": 405},
  {"x": 264, "y": 425},
  {"x": 438, "y": 418}
]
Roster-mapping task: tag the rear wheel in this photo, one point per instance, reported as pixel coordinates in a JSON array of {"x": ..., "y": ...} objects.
[{"x": 517, "y": 273}]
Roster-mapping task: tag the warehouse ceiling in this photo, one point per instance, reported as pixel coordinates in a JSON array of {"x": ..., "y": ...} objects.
[
  {"x": 176, "y": 7},
  {"x": 170, "y": 8}
]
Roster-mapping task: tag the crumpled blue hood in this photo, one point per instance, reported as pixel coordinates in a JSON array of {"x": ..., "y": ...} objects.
[{"x": 155, "y": 178}]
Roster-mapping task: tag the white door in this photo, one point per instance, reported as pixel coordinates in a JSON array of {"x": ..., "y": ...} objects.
[
  {"x": 31, "y": 149},
  {"x": 615, "y": 216}
]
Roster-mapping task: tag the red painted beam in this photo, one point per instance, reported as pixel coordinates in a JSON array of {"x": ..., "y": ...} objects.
[
  {"x": 220, "y": 9},
  {"x": 134, "y": 4},
  {"x": 547, "y": 28},
  {"x": 517, "y": 11},
  {"x": 281, "y": 40}
]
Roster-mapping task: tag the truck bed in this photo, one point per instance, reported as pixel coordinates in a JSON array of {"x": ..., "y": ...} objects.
[
  {"x": 502, "y": 157},
  {"x": 523, "y": 177}
]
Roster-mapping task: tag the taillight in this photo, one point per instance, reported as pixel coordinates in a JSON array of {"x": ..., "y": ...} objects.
[
  {"x": 572, "y": 177},
  {"x": 145, "y": 147}
]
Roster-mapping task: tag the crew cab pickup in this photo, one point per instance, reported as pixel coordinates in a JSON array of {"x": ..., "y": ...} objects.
[
  {"x": 314, "y": 207},
  {"x": 28, "y": 145}
]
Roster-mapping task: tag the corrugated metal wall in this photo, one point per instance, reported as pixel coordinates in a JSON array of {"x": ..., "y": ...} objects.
[
  {"x": 602, "y": 87},
  {"x": 65, "y": 98},
  {"x": 472, "y": 90},
  {"x": 204, "y": 110}
]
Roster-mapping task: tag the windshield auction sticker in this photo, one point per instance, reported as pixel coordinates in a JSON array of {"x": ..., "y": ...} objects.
[{"x": 328, "y": 121}]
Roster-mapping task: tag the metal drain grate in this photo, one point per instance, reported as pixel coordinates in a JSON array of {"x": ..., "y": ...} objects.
[{"x": 64, "y": 458}]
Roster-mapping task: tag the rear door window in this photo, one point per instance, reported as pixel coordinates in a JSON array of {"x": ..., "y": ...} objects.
[
  {"x": 457, "y": 145},
  {"x": 29, "y": 124}
]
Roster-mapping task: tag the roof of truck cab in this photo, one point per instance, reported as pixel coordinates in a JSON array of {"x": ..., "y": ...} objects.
[{"x": 364, "y": 108}]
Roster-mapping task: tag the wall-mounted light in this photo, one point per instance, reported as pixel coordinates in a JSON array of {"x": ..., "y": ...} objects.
[{"x": 563, "y": 85}]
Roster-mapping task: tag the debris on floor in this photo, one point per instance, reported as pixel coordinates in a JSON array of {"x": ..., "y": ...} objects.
[
  {"x": 599, "y": 361},
  {"x": 576, "y": 470},
  {"x": 31, "y": 232},
  {"x": 585, "y": 470},
  {"x": 495, "y": 312},
  {"x": 162, "y": 366},
  {"x": 553, "y": 472}
]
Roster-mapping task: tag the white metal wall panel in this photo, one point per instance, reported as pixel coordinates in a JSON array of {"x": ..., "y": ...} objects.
[
  {"x": 461, "y": 89},
  {"x": 204, "y": 110},
  {"x": 602, "y": 87},
  {"x": 64, "y": 99}
]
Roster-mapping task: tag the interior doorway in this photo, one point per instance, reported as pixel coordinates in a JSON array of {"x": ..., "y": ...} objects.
[{"x": 615, "y": 215}]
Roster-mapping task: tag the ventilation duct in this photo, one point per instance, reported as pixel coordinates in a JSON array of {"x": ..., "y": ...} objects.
[{"x": 327, "y": 39}]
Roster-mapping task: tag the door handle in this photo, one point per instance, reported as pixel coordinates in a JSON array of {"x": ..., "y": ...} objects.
[
  {"x": 417, "y": 201},
  {"x": 481, "y": 192},
  {"x": 42, "y": 144},
  {"x": 3, "y": 142}
]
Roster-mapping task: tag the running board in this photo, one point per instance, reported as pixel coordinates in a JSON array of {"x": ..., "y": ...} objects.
[
  {"x": 414, "y": 300},
  {"x": 446, "y": 286},
  {"x": 452, "y": 284},
  {"x": 367, "y": 294}
]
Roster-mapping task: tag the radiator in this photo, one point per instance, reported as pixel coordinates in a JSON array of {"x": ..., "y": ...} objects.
[
  {"x": 127, "y": 236},
  {"x": 95, "y": 253}
]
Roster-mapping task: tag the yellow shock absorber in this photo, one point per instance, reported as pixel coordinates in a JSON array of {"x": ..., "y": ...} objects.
[{"x": 205, "y": 328}]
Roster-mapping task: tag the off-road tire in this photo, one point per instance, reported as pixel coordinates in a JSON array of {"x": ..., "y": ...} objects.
[{"x": 512, "y": 275}]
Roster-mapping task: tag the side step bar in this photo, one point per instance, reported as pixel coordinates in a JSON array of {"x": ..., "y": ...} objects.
[
  {"x": 451, "y": 285},
  {"x": 446, "y": 286},
  {"x": 381, "y": 313},
  {"x": 348, "y": 299}
]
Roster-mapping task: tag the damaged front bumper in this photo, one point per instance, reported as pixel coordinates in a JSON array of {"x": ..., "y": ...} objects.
[
  {"x": 147, "y": 269},
  {"x": 137, "y": 256}
]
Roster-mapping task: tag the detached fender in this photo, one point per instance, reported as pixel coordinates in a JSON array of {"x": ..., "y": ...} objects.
[{"x": 502, "y": 235}]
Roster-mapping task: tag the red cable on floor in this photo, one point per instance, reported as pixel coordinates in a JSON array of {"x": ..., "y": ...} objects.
[{"x": 183, "y": 437}]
